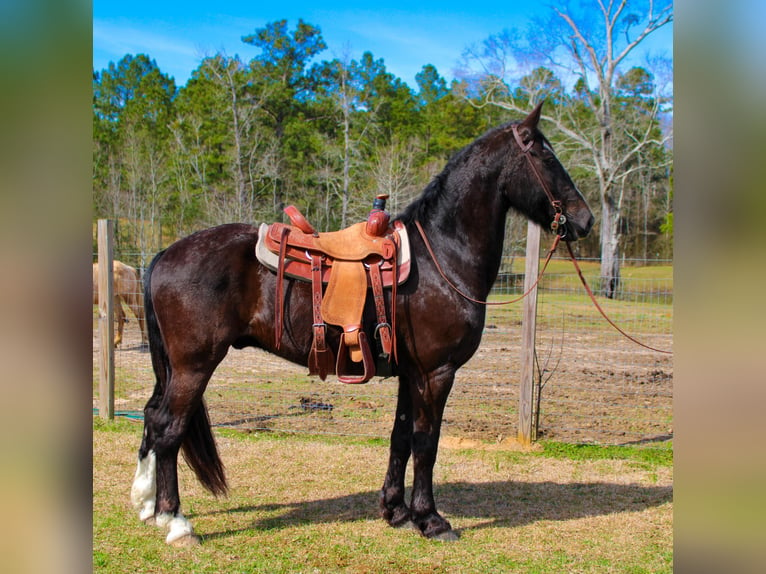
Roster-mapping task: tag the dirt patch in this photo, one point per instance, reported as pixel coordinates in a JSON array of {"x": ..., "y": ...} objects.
[{"x": 598, "y": 388}]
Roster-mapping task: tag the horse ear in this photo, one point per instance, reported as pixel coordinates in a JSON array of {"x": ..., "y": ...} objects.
[
  {"x": 533, "y": 118},
  {"x": 529, "y": 124}
]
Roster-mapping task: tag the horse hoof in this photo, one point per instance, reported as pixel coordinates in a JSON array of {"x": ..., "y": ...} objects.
[
  {"x": 186, "y": 541},
  {"x": 446, "y": 536}
]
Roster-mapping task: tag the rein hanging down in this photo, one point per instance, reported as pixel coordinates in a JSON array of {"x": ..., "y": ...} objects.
[{"x": 548, "y": 257}]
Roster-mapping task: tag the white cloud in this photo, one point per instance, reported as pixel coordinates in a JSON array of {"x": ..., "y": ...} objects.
[
  {"x": 407, "y": 42},
  {"x": 175, "y": 55},
  {"x": 122, "y": 39}
]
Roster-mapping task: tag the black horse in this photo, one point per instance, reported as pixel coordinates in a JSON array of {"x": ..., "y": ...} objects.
[{"x": 207, "y": 292}]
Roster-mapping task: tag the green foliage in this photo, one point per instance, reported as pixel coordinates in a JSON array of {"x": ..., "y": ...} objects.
[
  {"x": 431, "y": 85},
  {"x": 284, "y": 55},
  {"x": 651, "y": 456},
  {"x": 667, "y": 225}
]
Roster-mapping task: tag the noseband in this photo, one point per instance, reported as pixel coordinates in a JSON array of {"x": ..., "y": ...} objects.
[{"x": 559, "y": 219}]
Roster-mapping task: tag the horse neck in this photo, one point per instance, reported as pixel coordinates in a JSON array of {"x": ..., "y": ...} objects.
[{"x": 470, "y": 226}]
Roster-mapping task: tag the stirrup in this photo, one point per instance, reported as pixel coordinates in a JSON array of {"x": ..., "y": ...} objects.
[{"x": 367, "y": 361}]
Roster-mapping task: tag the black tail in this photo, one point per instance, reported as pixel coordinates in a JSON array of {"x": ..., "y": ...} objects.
[
  {"x": 201, "y": 454},
  {"x": 199, "y": 448},
  {"x": 160, "y": 362}
]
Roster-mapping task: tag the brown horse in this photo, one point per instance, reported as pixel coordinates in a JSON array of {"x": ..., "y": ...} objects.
[
  {"x": 127, "y": 289},
  {"x": 207, "y": 293}
]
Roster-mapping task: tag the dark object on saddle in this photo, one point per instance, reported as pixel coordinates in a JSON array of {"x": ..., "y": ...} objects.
[{"x": 367, "y": 256}]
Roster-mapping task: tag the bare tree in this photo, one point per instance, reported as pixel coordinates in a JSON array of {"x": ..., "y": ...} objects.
[
  {"x": 339, "y": 164},
  {"x": 394, "y": 172},
  {"x": 588, "y": 43},
  {"x": 345, "y": 102},
  {"x": 229, "y": 74},
  {"x": 249, "y": 150}
]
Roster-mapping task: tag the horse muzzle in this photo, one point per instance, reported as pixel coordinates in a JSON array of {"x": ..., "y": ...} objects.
[{"x": 578, "y": 224}]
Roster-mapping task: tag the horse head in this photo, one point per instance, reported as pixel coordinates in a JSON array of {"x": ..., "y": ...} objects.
[{"x": 556, "y": 194}]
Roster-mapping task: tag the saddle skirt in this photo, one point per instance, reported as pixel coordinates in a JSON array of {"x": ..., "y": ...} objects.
[{"x": 351, "y": 263}]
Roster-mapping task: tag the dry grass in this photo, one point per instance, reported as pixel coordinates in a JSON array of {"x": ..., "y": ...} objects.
[{"x": 308, "y": 504}]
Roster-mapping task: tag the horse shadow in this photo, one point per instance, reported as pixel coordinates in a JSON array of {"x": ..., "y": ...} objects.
[
  {"x": 500, "y": 504},
  {"x": 133, "y": 347}
]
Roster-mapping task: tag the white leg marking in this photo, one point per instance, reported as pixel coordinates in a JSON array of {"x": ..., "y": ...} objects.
[
  {"x": 177, "y": 525},
  {"x": 144, "y": 490}
]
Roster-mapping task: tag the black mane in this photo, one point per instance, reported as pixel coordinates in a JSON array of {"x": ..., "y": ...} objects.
[{"x": 436, "y": 189}]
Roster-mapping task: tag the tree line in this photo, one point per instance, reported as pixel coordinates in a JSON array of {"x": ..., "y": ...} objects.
[{"x": 241, "y": 139}]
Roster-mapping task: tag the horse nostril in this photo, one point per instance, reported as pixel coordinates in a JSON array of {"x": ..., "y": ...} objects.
[{"x": 582, "y": 224}]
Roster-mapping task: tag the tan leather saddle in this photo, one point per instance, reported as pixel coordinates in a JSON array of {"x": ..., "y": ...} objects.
[{"x": 365, "y": 257}]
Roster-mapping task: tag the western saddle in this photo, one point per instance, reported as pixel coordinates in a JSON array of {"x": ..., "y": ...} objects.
[{"x": 367, "y": 256}]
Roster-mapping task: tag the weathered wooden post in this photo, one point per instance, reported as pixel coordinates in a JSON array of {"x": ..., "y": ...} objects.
[
  {"x": 528, "y": 330},
  {"x": 106, "y": 318}
]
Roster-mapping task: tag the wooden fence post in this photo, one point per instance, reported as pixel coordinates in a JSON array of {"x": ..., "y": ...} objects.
[
  {"x": 106, "y": 318},
  {"x": 528, "y": 330}
]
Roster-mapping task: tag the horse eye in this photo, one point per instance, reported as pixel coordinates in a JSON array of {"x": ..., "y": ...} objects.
[{"x": 548, "y": 154}]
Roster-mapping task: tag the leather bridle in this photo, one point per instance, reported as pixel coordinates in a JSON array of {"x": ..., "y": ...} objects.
[
  {"x": 557, "y": 226},
  {"x": 559, "y": 219}
]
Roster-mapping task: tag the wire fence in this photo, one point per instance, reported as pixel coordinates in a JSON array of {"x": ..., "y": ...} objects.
[{"x": 592, "y": 384}]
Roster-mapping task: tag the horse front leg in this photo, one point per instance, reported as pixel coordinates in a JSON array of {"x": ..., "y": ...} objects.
[
  {"x": 428, "y": 399},
  {"x": 392, "y": 505}
]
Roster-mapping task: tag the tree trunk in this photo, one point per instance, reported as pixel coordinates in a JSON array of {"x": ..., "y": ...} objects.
[
  {"x": 345, "y": 105},
  {"x": 610, "y": 247},
  {"x": 346, "y": 162}
]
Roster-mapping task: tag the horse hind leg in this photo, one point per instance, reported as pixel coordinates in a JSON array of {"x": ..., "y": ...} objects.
[
  {"x": 139, "y": 312},
  {"x": 143, "y": 492},
  {"x": 143, "y": 495},
  {"x": 154, "y": 492},
  {"x": 136, "y": 304},
  {"x": 174, "y": 418}
]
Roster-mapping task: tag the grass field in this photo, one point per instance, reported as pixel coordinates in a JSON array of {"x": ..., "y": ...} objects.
[
  {"x": 303, "y": 503},
  {"x": 639, "y": 283}
]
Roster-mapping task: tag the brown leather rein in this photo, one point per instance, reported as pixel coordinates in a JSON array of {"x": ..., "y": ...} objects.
[
  {"x": 557, "y": 225},
  {"x": 548, "y": 257},
  {"x": 479, "y": 301},
  {"x": 600, "y": 310}
]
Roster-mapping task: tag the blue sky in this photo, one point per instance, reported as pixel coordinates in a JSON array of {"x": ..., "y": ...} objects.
[{"x": 406, "y": 35}]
